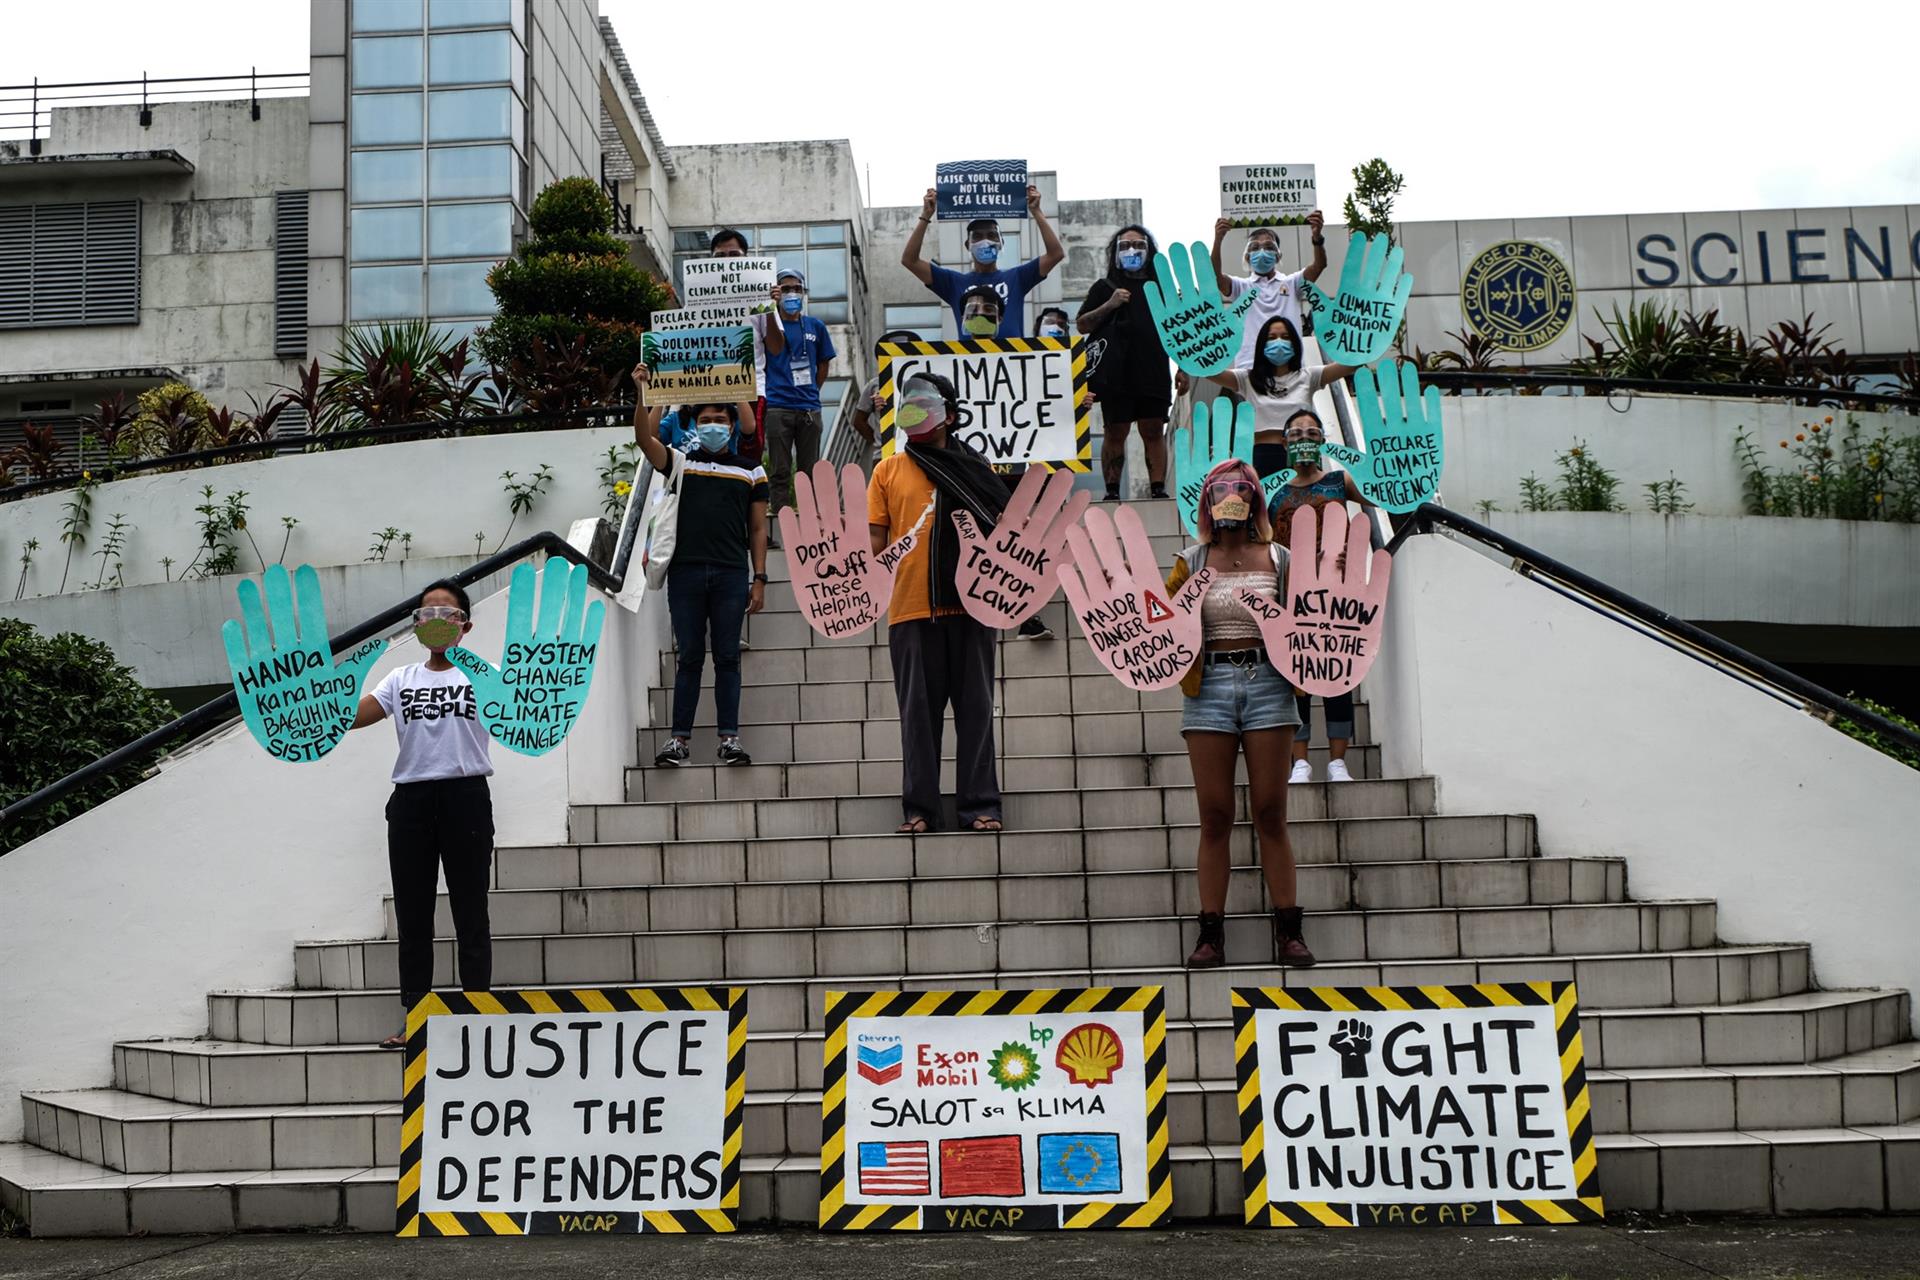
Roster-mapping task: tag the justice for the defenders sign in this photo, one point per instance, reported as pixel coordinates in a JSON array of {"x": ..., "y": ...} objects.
[
  {"x": 1021, "y": 400},
  {"x": 579, "y": 1111},
  {"x": 994, "y": 1110},
  {"x": 1414, "y": 1106}
]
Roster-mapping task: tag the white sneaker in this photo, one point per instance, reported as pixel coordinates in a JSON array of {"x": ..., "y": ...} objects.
[
  {"x": 1337, "y": 771},
  {"x": 1302, "y": 772}
]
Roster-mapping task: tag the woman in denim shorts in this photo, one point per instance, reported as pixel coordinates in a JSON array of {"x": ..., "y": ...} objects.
[{"x": 1237, "y": 702}]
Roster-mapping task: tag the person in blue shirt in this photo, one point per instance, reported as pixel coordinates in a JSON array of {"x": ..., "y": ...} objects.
[
  {"x": 983, "y": 247},
  {"x": 794, "y": 375}
]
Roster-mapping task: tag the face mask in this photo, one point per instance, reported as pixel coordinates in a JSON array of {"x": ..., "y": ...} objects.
[
  {"x": 1052, "y": 331},
  {"x": 437, "y": 633},
  {"x": 1279, "y": 351},
  {"x": 713, "y": 436},
  {"x": 918, "y": 417},
  {"x": 790, "y": 303},
  {"x": 1263, "y": 261},
  {"x": 981, "y": 326},
  {"x": 1132, "y": 259},
  {"x": 986, "y": 252},
  {"x": 1230, "y": 512},
  {"x": 1303, "y": 455}
]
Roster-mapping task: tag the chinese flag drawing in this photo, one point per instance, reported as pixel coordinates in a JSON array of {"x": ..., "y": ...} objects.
[{"x": 981, "y": 1167}]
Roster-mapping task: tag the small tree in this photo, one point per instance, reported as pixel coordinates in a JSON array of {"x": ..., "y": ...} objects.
[
  {"x": 569, "y": 299},
  {"x": 1369, "y": 209}
]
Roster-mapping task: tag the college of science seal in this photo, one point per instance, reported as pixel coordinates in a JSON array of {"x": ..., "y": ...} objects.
[{"x": 1519, "y": 294}]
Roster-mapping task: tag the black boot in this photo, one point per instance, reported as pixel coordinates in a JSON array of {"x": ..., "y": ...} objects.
[
  {"x": 1211, "y": 951},
  {"x": 1289, "y": 948}
]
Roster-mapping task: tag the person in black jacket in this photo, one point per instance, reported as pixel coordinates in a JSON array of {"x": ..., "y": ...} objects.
[{"x": 1130, "y": 371}]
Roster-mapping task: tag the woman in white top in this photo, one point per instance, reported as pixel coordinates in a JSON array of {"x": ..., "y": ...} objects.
[
  {"x": 1278, "y": 386},
  {"x": 440, "y": 816}
]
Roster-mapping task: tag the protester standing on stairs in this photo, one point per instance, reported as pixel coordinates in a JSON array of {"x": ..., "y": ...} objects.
[
  {"x": 440, "y": 816},
  {"x": 940, "y": 654},
  {"x": 721, "y": 530},
  {"x": 1127, "y": 364},
  {"x": 1237, "y": 702}
]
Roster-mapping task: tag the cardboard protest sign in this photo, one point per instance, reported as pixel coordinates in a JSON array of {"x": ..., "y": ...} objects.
[
  {"x": 1007, "y": 576},
  {"x": 706, "y": 281},
  {"x": 995, "y": 1110},
  {"x": 1215, "y": 436},
  {"x": 531, "y": 700},
  {"x": 1267, "y": 195},
  {"x": 1022, "y": 400},
  {"x": 296, "y": 699},
  {"x": 1144, "y": 636},
  {"x": 577, "y": 1111},
  {"x": 708, "y": 364},
  {"x": 1324, "y": 633},
  {"x": 841, "y": 585},
  {"x": 1358, "y": 325},
  {"x": 1406, "y": 444},
  {"x": 1439, "y": 1106},
  {"x": 1199, "y": 329},
  {"x": 969, "y": 189}
]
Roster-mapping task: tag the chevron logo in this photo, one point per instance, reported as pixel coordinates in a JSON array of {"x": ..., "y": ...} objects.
[{"x": 880, "y": 1066}]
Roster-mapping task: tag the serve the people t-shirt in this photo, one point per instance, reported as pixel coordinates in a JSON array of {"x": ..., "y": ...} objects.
[{"x": 437, "y": 720}]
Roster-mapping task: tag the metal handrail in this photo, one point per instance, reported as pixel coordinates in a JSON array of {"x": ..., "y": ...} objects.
[
  {"x": 1458, "y": 378},
  {"x": 1670, "y": 630},
  {"x": 41, "y": 100}
]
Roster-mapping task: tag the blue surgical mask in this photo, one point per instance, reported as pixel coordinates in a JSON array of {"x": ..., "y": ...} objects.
[
  {"x": 986, "y": 252},
  {"x": 1263, "y": 261},
  {"x": 1052, "y": 331},
  {"x": 1279, "y": 351},
  {"x": 1132, "y": 260},
  {"x": 790, "y": 303},
  {"x": 713, "y": 436}
]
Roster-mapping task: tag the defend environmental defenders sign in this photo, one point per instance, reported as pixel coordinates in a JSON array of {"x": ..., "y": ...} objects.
[
  {"x": 548, "y": 1112},
  {"x": 1021, "y": 399},
  {"x": 995, "y": 1110},
  {"x": 1266, "y": 195},
  {"x": 1414, "y": 1106}
]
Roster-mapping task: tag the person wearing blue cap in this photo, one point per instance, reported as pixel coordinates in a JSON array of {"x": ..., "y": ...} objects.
[{"x": 794, "y": 375}]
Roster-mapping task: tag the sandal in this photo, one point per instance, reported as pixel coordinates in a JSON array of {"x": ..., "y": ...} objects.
[
  {"x": 395, "y": 1041},
  {"x": 986, "y": 824},
  {"x": 912, "y": 827}
]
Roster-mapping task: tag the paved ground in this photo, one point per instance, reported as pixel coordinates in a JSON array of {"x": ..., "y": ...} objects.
[{"x": 1804, "y": 1248}]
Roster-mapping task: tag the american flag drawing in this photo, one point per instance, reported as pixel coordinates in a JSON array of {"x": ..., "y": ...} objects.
[{"x": 894, "y": 1169}]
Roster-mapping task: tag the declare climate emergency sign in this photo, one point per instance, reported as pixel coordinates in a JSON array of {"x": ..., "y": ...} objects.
[
  {"x": 534, "y": 1112},
  {"x": 1414, "y": 1106}
]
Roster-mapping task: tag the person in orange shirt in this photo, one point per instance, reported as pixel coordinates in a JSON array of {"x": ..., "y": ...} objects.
[{"x": 940, "y": 654}]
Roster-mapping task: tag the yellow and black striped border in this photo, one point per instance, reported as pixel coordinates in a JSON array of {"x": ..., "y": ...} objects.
[
  {"x": 842, "y": 1006},
  {"x": 573, "y": 1000},
  {"x": 1565, "y": 1000},
  {"x": 1082, "y": 427}
]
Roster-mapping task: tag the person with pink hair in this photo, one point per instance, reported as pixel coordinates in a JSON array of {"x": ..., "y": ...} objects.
[{"x": 1236, "y": 701}]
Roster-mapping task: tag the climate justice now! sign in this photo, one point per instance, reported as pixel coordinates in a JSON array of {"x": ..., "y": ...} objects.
[
  {"x": 1414, "y": 1106},
  {"x": 579, "y": 1111},
  {"x": 1020, "y": 400},
  {"x": 994, "y": 1110}
]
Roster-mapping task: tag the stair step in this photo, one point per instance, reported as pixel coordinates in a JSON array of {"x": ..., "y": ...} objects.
[
  {"x": 814, "y": 778},
  {"x": 1872, "y": 1086},
  {"x": 135, "y": 1133}
]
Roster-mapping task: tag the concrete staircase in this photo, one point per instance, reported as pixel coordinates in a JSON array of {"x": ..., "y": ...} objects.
[{"x": 1723, "y": 1079}]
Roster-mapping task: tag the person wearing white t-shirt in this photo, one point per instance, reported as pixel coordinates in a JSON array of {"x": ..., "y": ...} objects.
[
  {"x": 440, "y": 816},
  {"x": 1278, "y": 295},
  {"x": 1278, "y": 385}
]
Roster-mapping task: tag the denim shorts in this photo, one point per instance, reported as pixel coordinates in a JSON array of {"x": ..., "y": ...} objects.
[{"x": 1239, "y": 699}]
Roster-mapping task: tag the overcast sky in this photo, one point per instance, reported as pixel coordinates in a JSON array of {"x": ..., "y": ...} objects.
[{"x": 1489, "y": 109}]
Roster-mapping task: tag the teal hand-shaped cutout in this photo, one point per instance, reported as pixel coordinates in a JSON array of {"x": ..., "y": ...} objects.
[
  {"x": 297, "y": 701},
  {"x": 1358, "y": 326},
  {"x": 1199, "y": 329},
  {"x": 1405, "y": 444},
  {"x": 530, "y": 702},
  {"x": 1217, "y": 434}
]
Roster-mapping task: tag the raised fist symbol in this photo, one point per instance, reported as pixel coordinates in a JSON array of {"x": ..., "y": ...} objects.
[{"x": 1353, "y": 1042}]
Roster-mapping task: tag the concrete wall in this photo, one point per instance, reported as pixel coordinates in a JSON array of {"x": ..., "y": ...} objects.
[
  {"x": 206, "y": 246},
  {"x": 441, "y": 491},
  {"x": 1522, "y": 701},
  {"x": 117, "y": 924}
]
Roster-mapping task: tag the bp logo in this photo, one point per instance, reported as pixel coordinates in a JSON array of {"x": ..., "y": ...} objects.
[{"x": 1519, "y": 294}]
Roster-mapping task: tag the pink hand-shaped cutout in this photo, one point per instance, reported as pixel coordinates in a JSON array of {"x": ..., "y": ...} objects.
[
  {"x": 1324, "y": 632},
  {"x": 1007, "y": 579},
  {"x": 842, "y": 587},
  {"x": 1146, "y": 640}
]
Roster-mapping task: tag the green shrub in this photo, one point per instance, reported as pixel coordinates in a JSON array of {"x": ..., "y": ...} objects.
[
  {"x": 1879, "y": 742},
  {"x": 571, "y": 205},
  {"x": 572, "y": 284},
  {"x": 65, "y": 701},
  {"x": 1833, "y": 473}
]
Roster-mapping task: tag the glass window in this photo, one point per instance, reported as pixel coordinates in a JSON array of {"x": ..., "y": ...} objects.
[
  {"x": 827, "y": 273},
  {"x": 470, "y": 115},
  {"x": 835, "y": 234},
  {"x": 1010, "y": 254},
  {"x": 778, "y": 237},
  {"x": 469, "y": 13},
  {"x": 459, "y": 289},
  {"x": 386, "y": 15},
  {"x": 827, "y": 312},
  {"x": 388, "y": 62},
  {"x": 384, "y": 293},
  {"x": 458, "y": 173},
  {"x": 386, "y": 234},
  {"x": 379, "y": 177},
  {"x": 469, "y": 230},
  {"x": 474, "y": 57},
  {"x": 385, "y": 119},
  {"x": 923, "y": 320},
  {"x": 695, "y": 242}
]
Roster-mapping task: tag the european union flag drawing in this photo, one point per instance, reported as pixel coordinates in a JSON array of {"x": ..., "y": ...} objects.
[{"x": 1074, "y": 1164}]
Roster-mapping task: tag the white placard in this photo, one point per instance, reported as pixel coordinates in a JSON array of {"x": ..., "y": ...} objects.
[
  {"x": 1255, "y": 195},
  {"x": 1016, "y": 396},
  {"x": 704, "y": 280}
]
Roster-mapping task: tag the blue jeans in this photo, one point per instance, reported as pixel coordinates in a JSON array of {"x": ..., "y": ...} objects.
[{"x": 703, "y": 599}]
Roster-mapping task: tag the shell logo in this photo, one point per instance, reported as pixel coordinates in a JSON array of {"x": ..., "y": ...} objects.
[{"x": 1090, "y": 1054}]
